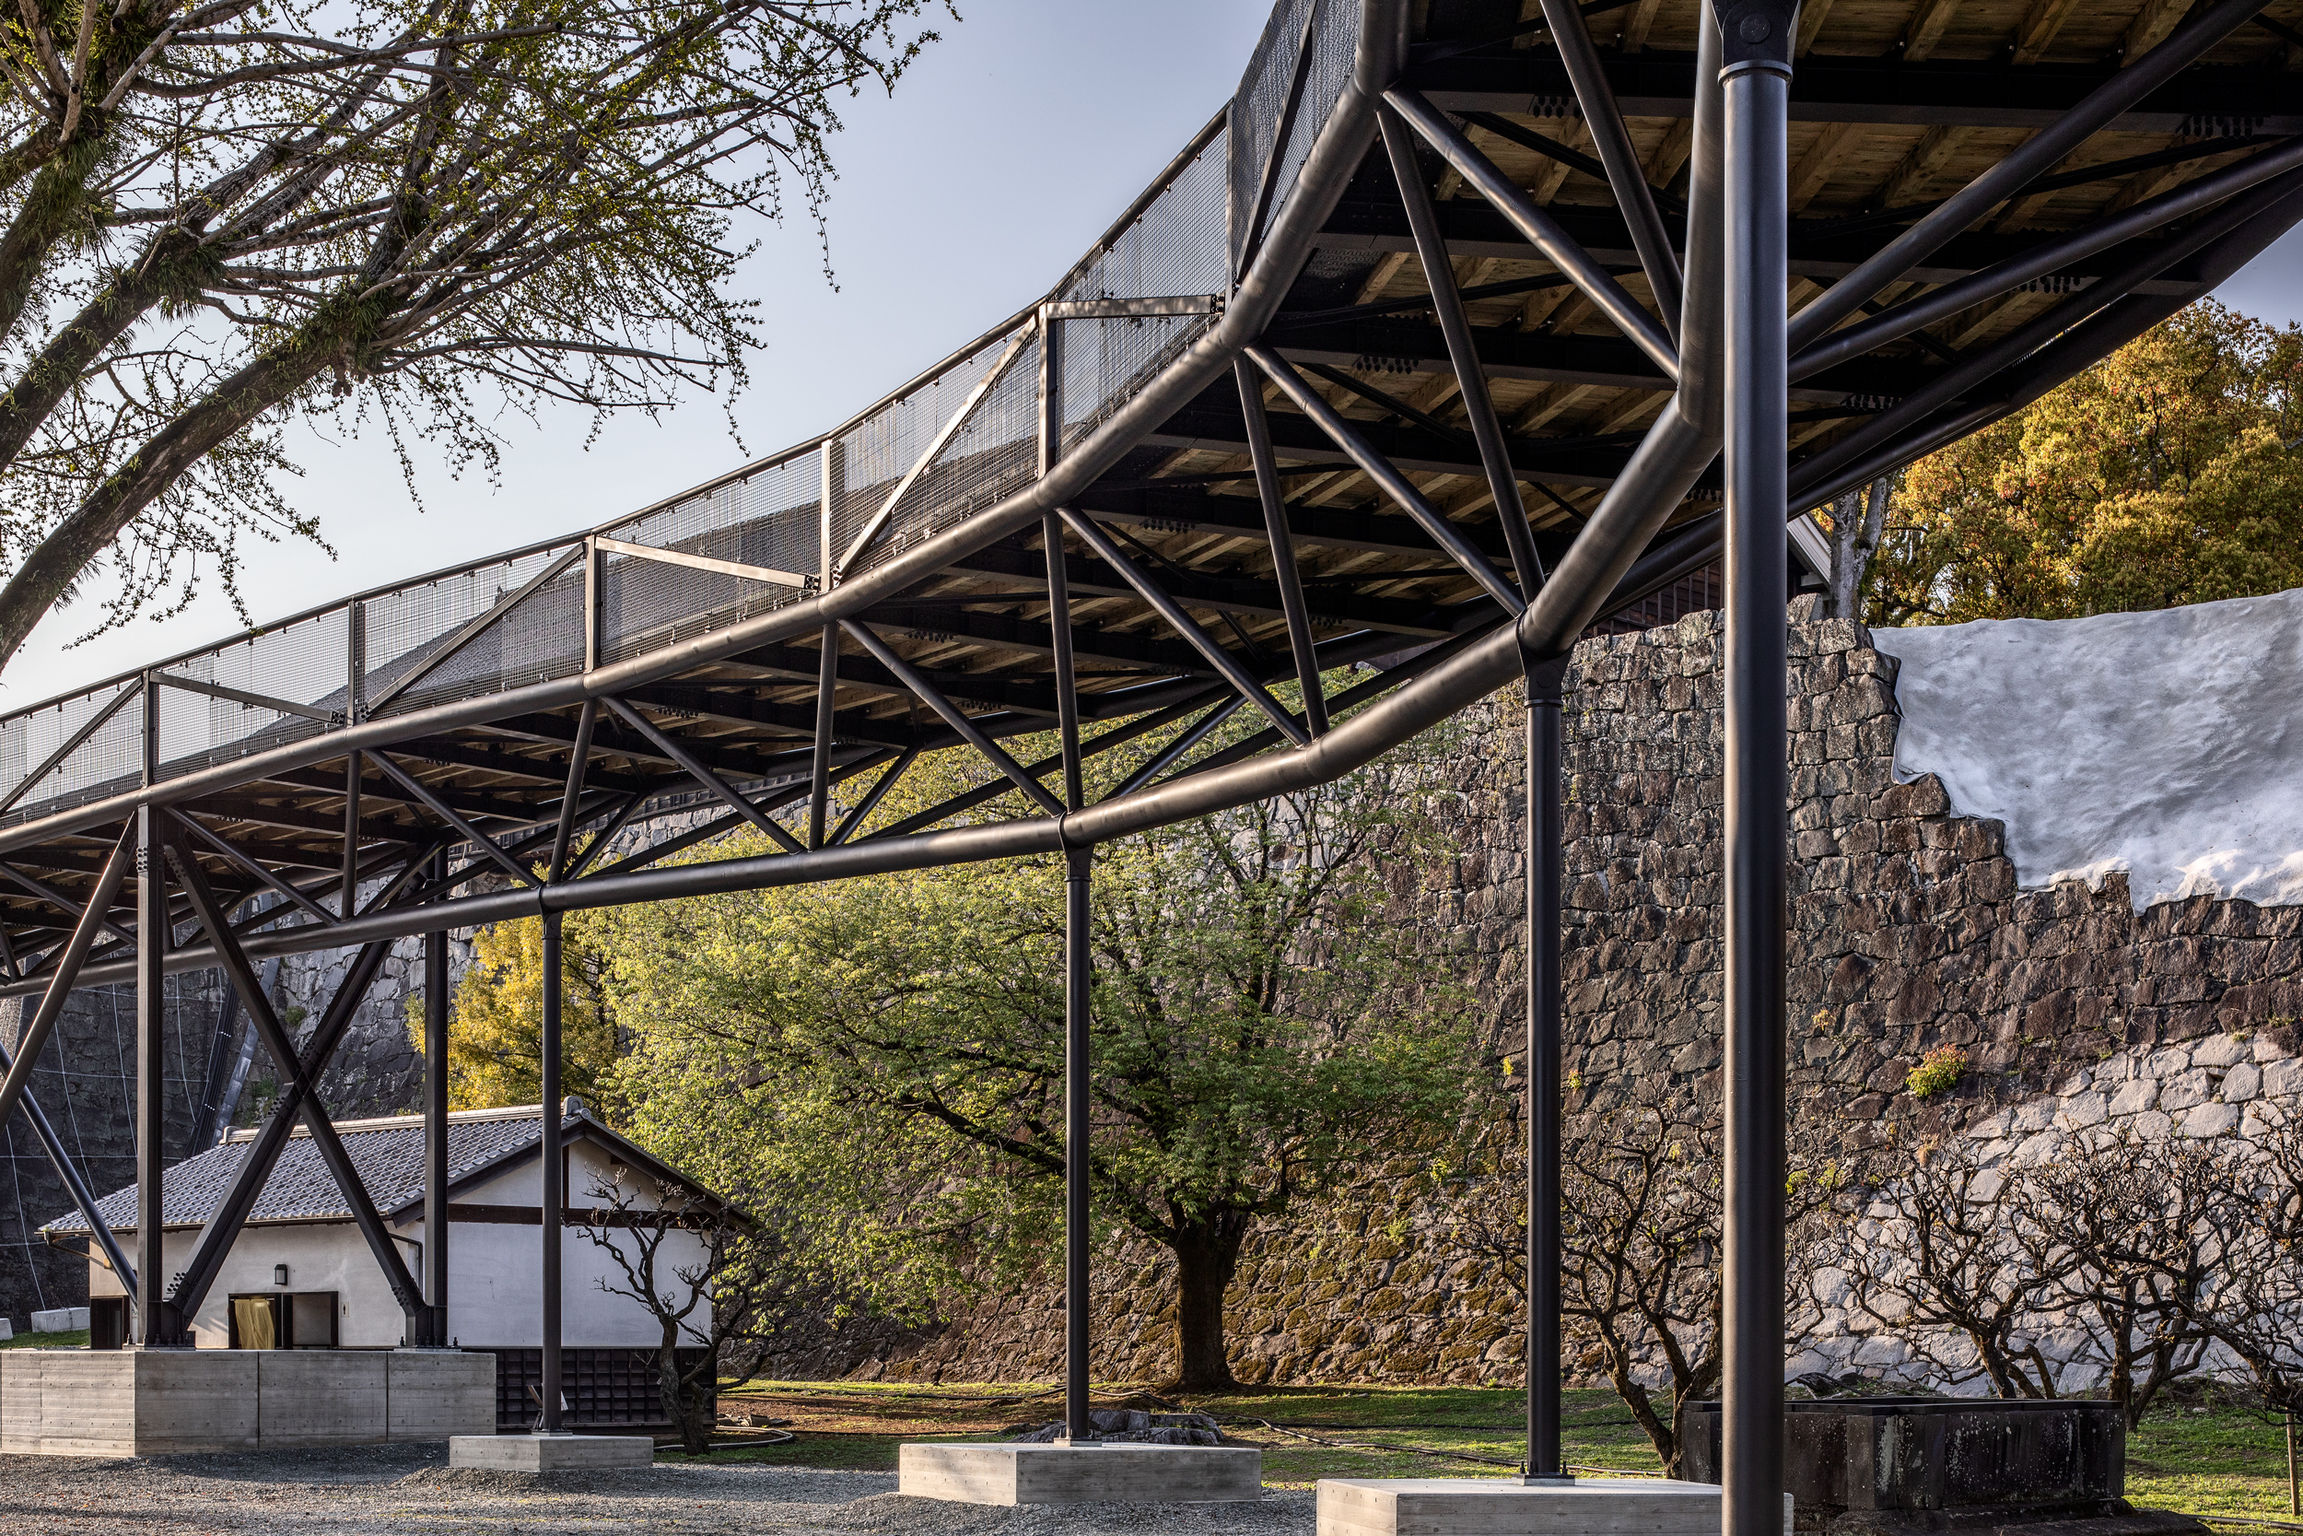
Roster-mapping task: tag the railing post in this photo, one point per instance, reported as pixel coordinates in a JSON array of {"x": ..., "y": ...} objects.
[
  {"x": 1755, "y": 78},
  {"x": 592, "y": 594},
  {"x": 356, "y": 673}
]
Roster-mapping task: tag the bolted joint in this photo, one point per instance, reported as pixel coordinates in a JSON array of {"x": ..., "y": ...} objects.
[
  {"x": 1756, "y": 34},
  {"x": 1546, "y": 680}
]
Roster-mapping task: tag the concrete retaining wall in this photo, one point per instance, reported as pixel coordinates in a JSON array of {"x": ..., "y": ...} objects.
[{"x": 155, "y": 1402}]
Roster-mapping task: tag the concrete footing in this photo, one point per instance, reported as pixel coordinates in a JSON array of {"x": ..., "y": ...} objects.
[
  {"x": 1112, "y": 1472},
  {"x": 151, "y": 1402},
  {"x": 1495, "y": 1506},
  {"x": 550, "y": 1453}
]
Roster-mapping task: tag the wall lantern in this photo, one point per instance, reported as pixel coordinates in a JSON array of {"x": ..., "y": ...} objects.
[{"x": 279, "y": 1274}]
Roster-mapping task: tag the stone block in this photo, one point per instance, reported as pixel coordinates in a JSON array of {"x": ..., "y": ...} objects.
[
  {"x": 1494, "y": 1506},
  {"x": 1113, "y": 1472},
  {"x": 550, "y": 1453},
  {"x": 60, "y": 1320}
]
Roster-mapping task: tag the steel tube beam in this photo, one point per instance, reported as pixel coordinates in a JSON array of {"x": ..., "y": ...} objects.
[
  {"x": 454, "y": 818},
  {"x": 1179, "y": 621},
  {"x": 242, "y": 974},
  {"x": 957, "y": 719},
  {"x": 1538, "y": 228},
  {"x": 1757, "y": 90},
  {"x": 1545, "y": 831},
  {"x": 1571, "y": 34},
  {"x": 1376, "y": 467},
  {"x": 83, "y": 1197},
  {"x": 436, "y": 1125},
  {"x": 1272, "y": 498},
  {"x": 579, "y": 765},
  {"x": 696, "y": 768},
  {"x": 1066, "y": 674},
  {"x": 1173, "y": 753},
  {"x": 222, "y": 1228},
  {"x": 1079, "y": 1429},
  {"x": 873, "y": 796},
  {"x": 1979, "y": 366},
  {"x": 34, "y": 1035},
  {"x": 1850, "y": 342},
  {"x": 820, "y": 763},
  {"x": 555, "y": 1177},
  {"x": 1463, "y": 352},
  {"x": 2012, "y": 172}
]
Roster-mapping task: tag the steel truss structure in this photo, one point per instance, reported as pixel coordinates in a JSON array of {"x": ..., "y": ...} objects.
[{"x": 1457, "y": 330}]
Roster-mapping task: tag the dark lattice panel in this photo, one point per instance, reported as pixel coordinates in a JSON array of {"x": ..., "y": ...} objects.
[{"x": 605, "y": 1388}]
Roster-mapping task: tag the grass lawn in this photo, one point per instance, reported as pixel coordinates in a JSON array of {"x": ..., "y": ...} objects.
[
  {"x": 77, "y": 1339},
  {"x": 2223, "y": 1461}
]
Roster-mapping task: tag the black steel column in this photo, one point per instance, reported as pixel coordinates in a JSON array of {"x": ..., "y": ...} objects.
[
  {"x": 157, "y": 1325},
  {"x": 436, "y": 1126},
  {"x": 1756, "y": 80},
  {"x": 555, "y": 1196},
  {"x": 1077, "y": 1426},
  {"x": 1545, "y": 818}
]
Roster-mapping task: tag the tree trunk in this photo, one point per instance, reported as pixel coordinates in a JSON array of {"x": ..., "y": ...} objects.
[
  {"x": 692, "y": 1401},
  {"x": 1206, "y": 1254}
]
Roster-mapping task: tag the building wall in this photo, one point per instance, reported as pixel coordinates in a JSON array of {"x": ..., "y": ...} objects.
[{"x": 495, "y": 1273}]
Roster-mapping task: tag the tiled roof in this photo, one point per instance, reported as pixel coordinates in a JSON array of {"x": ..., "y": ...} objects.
[{"x": 388, "y": 1154}]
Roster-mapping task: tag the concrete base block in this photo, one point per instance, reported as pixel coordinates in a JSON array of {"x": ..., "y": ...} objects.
[
  {"x": 1494, "y": 1506},
  {"x": 1010, "y": 1474},
  {"x": 550, "y": 1453},
  {"x": 157, "y": 1402}
]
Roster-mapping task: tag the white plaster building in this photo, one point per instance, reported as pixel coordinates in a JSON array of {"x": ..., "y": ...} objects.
[{"x": 301, "y": 1276}]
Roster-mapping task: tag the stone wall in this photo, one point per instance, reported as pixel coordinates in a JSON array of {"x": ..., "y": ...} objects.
[{"x": 1908, "y": 932}]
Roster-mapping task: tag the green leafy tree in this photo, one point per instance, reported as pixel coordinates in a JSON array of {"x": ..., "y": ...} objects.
[
  {"x": 218, "y": 215},
  {"x": 495, "y": 1021},
  {"x": 1259, "y": 1032},
  {"x": 2170, "y": 473}
]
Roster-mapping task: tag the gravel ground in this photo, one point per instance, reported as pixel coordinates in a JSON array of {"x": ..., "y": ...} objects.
[{"x": 389, "y": 1489}]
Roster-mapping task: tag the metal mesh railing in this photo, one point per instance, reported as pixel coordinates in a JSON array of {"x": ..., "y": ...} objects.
[
  {"x": 991, "y": 454},
  {"x": 106, "y": 761},
  {"x": 1105, "y": 362},
  {"x": 921, "y": 462},
  {"x": 1257, "y": 110},
  {"x": 1175, "y": 246},
  {"x": 303, "y": 663},
  {"x": 769, "y": 518},
  {"x": 425, "y": 645},
  {"x": 871, "y": 458},
  {"x": 646, "y": 605},
  {"x": 1330, "y": 54}
]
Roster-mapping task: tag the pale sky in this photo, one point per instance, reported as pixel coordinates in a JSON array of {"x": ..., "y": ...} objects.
[{"x": 1014, "y": 142}]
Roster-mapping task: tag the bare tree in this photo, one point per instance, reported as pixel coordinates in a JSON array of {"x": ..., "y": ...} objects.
[
  {"x": 2152, "y": 1224},
  {"x": 2254, "y": 1308},
  {"x": 1946, "y": 1255},
  {"x": 1640, "y": 1248},
  {"x": 720, "y": 1283},
  {"x": 216, "y": 215}
]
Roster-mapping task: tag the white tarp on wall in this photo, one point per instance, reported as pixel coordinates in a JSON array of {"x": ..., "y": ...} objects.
[{"x": 2168, "y": 745}]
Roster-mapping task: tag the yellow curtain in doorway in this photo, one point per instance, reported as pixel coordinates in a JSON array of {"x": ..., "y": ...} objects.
[{"x": 252, "y": 1318}]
